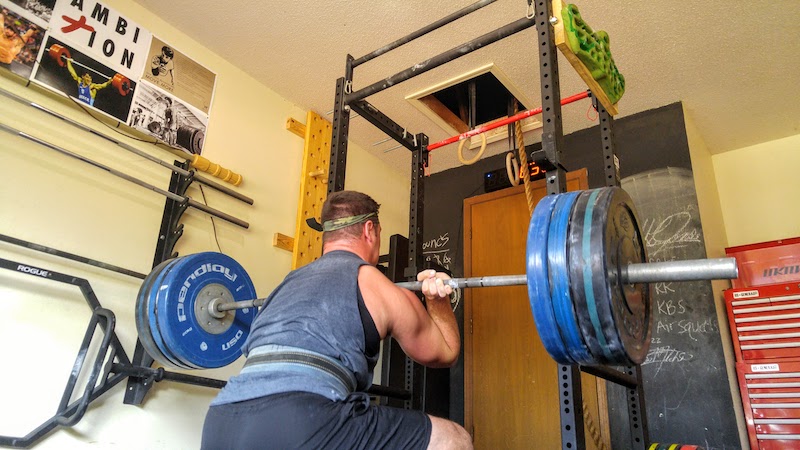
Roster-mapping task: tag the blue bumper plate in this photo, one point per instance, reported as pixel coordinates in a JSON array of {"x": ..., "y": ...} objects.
[
  {"x": 181, "y": 300},
  {"x": 539, "y": 283}
]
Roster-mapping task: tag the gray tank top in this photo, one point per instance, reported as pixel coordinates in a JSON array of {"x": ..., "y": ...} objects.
[{"x": 317, "y": 308}]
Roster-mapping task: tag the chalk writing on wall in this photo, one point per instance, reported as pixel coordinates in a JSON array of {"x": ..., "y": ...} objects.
[{"x": 436, "y": 251}]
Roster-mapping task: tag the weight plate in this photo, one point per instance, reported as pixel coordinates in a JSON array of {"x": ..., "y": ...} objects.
[
  {"x": 155, "y": 324},
  {"x": 158, "y": 336},
  {"x": 581, "y": 278},
  {"x": 140, "y": 316},
  {"x": 176, "y": 297},
  {"x": 622, "y": 310},
  {"x": 148, "y": 336},
  {"x": 631, "y": 303},
  {"x": 539, "y": 283},
  {"x": 559, "y": 279}
]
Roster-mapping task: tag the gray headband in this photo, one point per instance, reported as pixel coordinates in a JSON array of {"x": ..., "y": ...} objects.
[{"x": 344, "y": 222}]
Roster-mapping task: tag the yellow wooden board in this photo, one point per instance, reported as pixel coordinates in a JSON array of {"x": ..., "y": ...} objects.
[
  {"x": 577, "y": 64},
  {"x": 296, "y": 127},
  {"x": 313, "y": 189},
  {"x": 283, "y": 241}
]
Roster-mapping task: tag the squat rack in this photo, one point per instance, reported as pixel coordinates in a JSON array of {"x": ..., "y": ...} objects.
[{"x": 540, "y": 15}]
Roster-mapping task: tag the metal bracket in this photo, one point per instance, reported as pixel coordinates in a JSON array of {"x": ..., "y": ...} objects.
[{"x": 171, "y": 230}]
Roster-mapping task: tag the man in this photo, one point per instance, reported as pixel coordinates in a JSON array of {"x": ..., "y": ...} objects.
[
  {"x": 162, "y": 64},
  {"x": 87, "y": 91},
  {"x": 11, "y": 43},
  {"x": 157, "y": 120},
  {"x": 137, "y": 118},
  {"x": 314, "y": 344},
  {"x": 170, "y": 123}
]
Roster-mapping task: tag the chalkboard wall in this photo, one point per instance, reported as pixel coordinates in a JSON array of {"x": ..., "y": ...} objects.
[
  {"x": 686, "y": 394},
  {"x": 680, "y": 369}
]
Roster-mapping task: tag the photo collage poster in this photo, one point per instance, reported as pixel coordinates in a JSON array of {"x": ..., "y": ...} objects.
[{"x": 108, "y": 62}]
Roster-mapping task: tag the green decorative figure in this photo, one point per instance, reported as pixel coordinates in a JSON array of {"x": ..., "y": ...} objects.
[{"x": 594, "y": 51}]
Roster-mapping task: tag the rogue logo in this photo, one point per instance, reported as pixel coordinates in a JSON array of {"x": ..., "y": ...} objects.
[
  {"x": 785, "y": 270},
  {"x": 199, "y": 272},
  {"x": 33, "y": 270}
]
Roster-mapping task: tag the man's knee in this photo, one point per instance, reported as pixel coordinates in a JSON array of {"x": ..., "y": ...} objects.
[{"x": 447, "y": 434}]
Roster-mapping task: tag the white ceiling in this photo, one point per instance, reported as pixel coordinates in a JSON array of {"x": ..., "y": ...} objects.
[{"x": 734, "y": 63}]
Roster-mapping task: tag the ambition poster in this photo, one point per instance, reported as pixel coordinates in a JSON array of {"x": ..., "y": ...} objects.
[
  {"x": 94, "y": 55},
  {"x": 102, "y": 59}
]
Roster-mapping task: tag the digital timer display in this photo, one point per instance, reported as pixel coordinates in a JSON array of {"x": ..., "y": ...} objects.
[{"x": 534, "y": 171}]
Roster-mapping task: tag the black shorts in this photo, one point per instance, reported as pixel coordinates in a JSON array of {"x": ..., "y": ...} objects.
[{"x": 303, "y": 420}]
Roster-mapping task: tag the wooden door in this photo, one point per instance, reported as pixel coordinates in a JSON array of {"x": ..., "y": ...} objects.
[{"x": 510, "y": 382}]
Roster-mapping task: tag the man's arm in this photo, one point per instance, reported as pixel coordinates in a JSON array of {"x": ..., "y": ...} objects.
[
  {"x": 430, "y": 336},
  {"x": 99, "y": 86},
  {"x": 72, "y": 71}
]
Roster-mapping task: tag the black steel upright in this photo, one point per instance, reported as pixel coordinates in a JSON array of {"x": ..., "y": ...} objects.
[
  {"x": 419, "y": 161},
  {"x": 635, "y": 394},
  {"x": 569, "y": 376},
  {"x": 340, "y": 130},
  {"x": 171, "y": 230},
  {"x": 552, "y": 128},
  {"x": 610, "y": 161},
  {"x": 416, "y": 373}
]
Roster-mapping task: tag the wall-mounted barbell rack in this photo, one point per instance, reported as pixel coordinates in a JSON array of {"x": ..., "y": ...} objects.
[
  {"x": 141, "y": 376},
  {"x": 170, "y": 231},
  {"x": 347, "y": 99}
]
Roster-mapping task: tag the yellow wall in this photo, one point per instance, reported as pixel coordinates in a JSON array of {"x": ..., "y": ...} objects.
[
  {"x": 745, "y": 196},
  {"x": 759, "y": 187},
  {"x": 50, "y": 199},
  {"x": 715, "y": 237}
]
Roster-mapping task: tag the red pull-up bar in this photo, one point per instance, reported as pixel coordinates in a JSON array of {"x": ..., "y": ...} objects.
[{"x": 506, "y": 121}]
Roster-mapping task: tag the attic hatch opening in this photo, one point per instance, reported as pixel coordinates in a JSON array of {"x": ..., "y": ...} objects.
[
  {"x": 448, "y": 103},
  {"x": 474, "y": 102}
]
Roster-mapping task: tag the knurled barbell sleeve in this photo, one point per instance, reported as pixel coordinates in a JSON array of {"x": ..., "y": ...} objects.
[{"x": 691, "y": 270}]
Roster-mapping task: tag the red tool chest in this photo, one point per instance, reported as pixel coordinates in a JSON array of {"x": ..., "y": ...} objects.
[
  {"x": 764, "y": 316},
  {"x": 765, "y": 321},
  {"x": 766, "y": 262},
  {"x": 771, "y": 399}
]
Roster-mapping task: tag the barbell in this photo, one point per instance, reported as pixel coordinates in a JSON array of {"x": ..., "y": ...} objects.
[
  {"x": 687, "y": 270},
  {"x": 62, "y": 54},
  {"x": 588, "y": 282}
]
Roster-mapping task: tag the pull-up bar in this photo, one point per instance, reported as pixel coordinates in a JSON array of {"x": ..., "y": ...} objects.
[
  {"x": 423, "y": 31},
  {"x": 515, "y": 118},
  {"x": 436, "y": 61}
]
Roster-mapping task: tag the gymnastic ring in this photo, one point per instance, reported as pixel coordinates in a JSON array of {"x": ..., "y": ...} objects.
[
  {"x": 512, "y": 169},
  {"x": 477, "y": 157}
]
